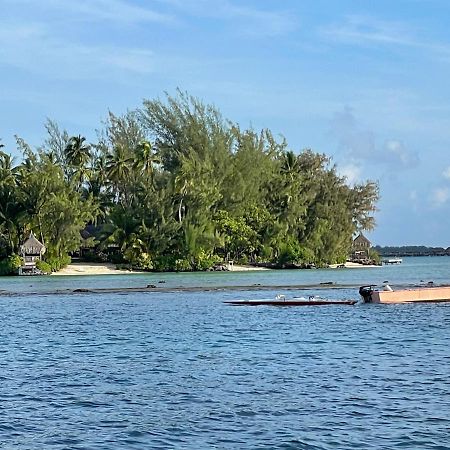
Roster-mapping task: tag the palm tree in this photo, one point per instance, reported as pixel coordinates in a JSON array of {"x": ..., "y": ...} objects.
[
  {"x": 144, "y": 160},
  {"x": 10, "y": 206},
  {"x": 118, "y": 170},
  {"x": 289, "y": 164},
  {"x": 78, "y": 153}
]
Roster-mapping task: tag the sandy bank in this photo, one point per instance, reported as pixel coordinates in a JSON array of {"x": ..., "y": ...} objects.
[
  {"x": 92, "y": 269},
  {"x": 110, "y": 269}
]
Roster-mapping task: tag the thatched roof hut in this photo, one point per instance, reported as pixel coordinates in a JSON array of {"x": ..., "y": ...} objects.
[
  {"x": 361, "y": 247},
  {"x": 361, "y": 241},
  {"x": 32, "y": 247}
]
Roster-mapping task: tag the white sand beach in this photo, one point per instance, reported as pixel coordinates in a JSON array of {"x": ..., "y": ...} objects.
[
  {"x": 92, "y": 269},
  {"x": 110, "y": 269}
]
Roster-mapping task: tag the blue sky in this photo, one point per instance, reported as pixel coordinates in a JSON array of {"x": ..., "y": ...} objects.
[{"x": 366, "y": 82}]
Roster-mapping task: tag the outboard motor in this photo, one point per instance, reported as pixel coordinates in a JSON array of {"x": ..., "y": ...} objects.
[{"x": 366, "y": 293}]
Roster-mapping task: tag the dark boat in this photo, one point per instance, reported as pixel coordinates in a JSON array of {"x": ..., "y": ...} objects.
[{"x": 294, "y": 302}]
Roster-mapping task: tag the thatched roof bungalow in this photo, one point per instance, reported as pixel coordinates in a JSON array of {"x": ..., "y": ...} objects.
[
  {"x": 31, "y": 251},
  {"x": 360, "y": 248},
  {"x": 32, "y": 247}
]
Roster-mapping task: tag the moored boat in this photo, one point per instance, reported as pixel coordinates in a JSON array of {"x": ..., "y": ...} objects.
[
  {"x": 416, "y": 295},
  {"x": 281, "y": 301},
  {"x": 392, "y": 261}
]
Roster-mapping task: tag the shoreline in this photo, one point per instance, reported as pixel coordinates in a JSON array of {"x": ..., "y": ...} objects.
[
  {"x": 87, "y": 269},
  {"x": 154, "y": 289},
  {"x": 93, "y": 269}
]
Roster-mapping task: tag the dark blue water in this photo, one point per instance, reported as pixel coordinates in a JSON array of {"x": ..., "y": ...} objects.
[{"x": 185, "y": 371}]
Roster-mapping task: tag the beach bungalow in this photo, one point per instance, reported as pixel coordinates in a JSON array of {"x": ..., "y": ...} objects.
[
  {"x": 31, "y": 251},
  {"x": 360, "y": 248}
]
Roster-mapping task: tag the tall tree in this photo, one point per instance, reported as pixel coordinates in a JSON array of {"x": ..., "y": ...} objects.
[{"x": 77, "y": 155}]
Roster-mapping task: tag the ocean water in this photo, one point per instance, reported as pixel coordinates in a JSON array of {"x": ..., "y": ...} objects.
[{"x": 183, "y": 370}]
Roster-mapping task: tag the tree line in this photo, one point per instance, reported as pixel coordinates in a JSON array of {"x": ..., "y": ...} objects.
[
  {"x": 173, "y": 185},
  {"x": 412, "y": 250}
]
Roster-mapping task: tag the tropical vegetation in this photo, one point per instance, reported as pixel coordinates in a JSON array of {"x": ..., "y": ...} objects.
[{"x": 174, "y": 186}]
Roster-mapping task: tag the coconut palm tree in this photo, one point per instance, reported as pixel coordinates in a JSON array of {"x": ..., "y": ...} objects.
[
  {"x": 118, "y": 169},
  {"x": 77, "y": 151},
  {"x": 144, "y": 160},
  {"x": 77, "y": 154}
]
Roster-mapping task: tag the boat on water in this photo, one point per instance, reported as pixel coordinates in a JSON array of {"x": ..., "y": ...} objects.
[
  {"x": 280, "y": 300},
  {"x": 417, "y": 295},
  {"x": 393, "y": 261}
]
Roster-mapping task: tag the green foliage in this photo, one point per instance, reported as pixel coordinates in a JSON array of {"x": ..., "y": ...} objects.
[
  {"x": 58, "y": 262},
  {"x": 169, "y": 263},
  {"x": 10, "y": 265},
  {"x": 204, "y": 260},
  {"x": 238, "y": 237},
  {"x": 182, "y": 265},
  {"x": 44, "y": 267},
  {"x": 175, "y": 186},
  {"x": 374, "y": 256},
  {"x": 143, "y": 261},
  {"x": 292, "y": 252},
  {"x": 412, "y": 250}
]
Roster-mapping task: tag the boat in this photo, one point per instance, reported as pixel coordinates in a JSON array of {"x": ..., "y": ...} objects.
[
  {"x": 416, "y": 295},
  {"x": 280, "y": 300},
  {"x": 393, "y": 261}
]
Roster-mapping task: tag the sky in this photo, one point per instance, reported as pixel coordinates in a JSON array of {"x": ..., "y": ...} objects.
[{"x": 365, "y": 82}]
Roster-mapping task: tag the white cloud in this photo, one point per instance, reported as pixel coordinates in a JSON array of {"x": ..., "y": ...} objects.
[
  {"x": 351, "y": 172},
  {"x": 365, "y": 30},
  {"x": 256, "y": 22},
  {"x": 395, "y": 151},
  {"x": 440, "y": 196},
  {"x": 100, "y": 10},
  {"x": 362, "y": 144},
  {"x": 37, "y": 49},
  {"x": 357, "y": 29},
  {"x": 446, "y": 173}
]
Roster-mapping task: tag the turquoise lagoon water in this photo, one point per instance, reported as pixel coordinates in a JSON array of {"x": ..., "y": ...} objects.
[
  {"x": 413, "y": 271},
  {"x": 183, "y": 370}
]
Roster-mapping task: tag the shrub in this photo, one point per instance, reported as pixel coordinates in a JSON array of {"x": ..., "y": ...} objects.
[
  {"x": 56, "y": 263},
  {"x": 183, "y": 265},
  {"x": 292, "y": 252},
  {"x": 374, "y": 256},
  {"x": 143, "y": 262},
  {"x": 204, "y": 261},
  {"x": 243, "y": 260},
  {"x": 10, "y": 265},
  {"x": 94, "y": 257},
  {"x": 116, "y": 258},
  {"x": 165, "y": 263},
  {"x": 44, "y": 267}
]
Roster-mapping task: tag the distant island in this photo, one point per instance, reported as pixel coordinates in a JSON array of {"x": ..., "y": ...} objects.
[
  {"x": 174, "y": 186},
  {"x": 412, "y": 250}
]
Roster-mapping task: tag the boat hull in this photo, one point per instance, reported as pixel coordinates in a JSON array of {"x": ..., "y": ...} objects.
[
  {"x": 285, "y": 303},
  {"x": 421, "y": 295}
]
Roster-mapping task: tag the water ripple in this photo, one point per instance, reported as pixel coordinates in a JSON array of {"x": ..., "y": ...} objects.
[{"x": 188, "y": 372}]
